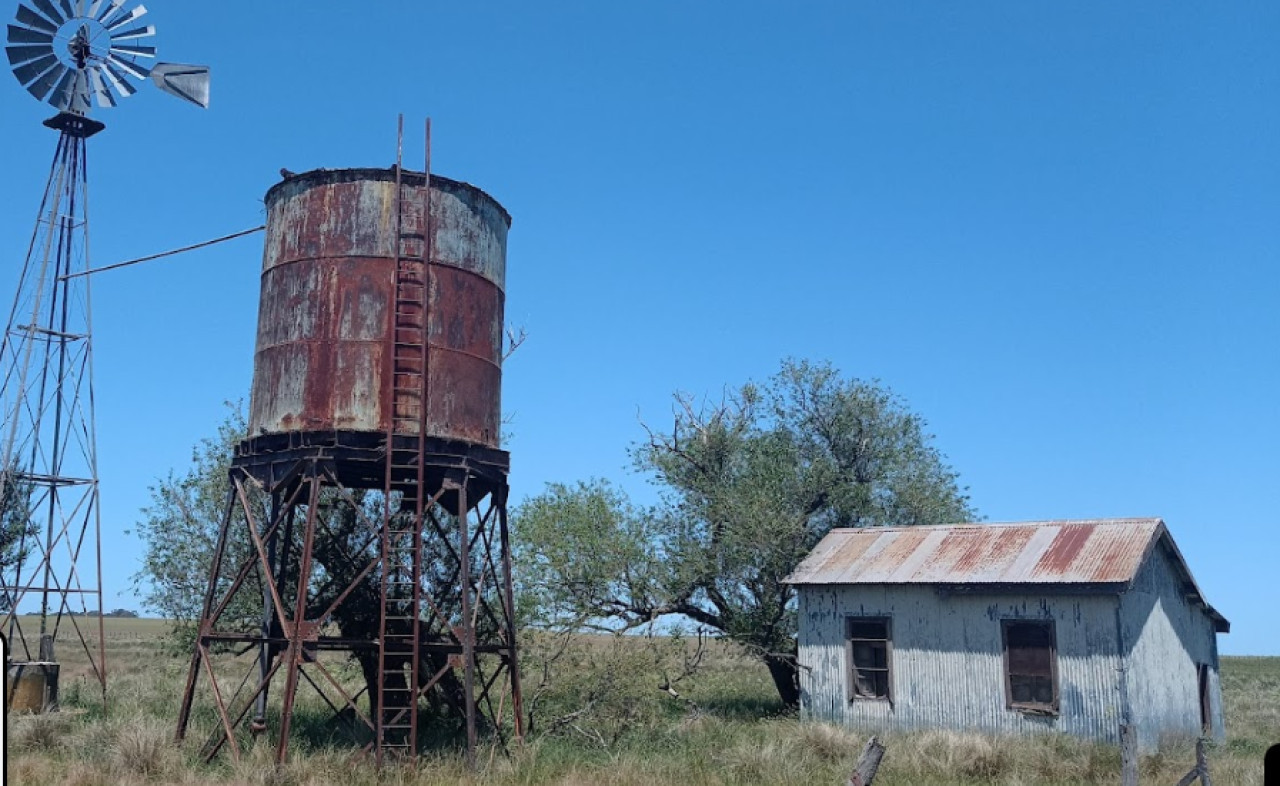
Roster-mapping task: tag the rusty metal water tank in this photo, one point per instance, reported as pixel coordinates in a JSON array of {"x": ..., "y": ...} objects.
[{"x": 321, "y": 363}]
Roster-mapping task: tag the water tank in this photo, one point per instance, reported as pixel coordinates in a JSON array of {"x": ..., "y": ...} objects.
[{"x": 322, "y": 363}]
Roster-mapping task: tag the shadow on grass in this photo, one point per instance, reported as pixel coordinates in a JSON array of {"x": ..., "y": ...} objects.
[
  {"x": 746, "y": 707},
  {"x": 314, "y": 729}
]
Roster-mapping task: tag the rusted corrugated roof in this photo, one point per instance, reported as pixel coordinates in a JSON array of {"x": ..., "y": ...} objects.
[{"x": 1094, "y": 552}]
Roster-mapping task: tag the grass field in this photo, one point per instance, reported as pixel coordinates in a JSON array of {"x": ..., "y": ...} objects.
[{"x": 726, "y": 728}]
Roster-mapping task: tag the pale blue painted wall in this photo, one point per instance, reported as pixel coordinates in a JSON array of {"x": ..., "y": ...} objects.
[
  {"x": 948, "y": 663},
  {"x": 948, "y": 668},
  {"x": 1166, "y": 637}
]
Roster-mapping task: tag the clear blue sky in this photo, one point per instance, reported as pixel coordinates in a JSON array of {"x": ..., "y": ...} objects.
[{"x": 1052, "y": 227}]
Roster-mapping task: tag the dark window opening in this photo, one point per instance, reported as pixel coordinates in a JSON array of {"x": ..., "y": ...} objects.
[
  {"x": 1206, "y": 715},
  {"x": 869, "y": 648},
  {"x": 1030, "y": 665}
]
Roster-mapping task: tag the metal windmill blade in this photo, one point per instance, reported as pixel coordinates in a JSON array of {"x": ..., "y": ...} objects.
[{"x": 78, "y": 53}]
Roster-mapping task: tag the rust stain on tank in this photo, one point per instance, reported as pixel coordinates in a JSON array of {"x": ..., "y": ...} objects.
[
  {"x": 1060, "y": 555},
  {"x": 324, "y": 324}
]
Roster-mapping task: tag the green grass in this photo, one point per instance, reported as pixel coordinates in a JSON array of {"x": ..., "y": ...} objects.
[{"x": 726, "y": 728}]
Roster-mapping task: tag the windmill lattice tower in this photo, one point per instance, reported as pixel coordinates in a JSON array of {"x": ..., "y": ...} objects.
[{"x": 74, "y": 54}]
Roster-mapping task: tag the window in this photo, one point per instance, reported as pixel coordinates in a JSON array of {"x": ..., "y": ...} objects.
[
  {"x": 1030, "y": 666},
  {"x": 869, "y": 649}
]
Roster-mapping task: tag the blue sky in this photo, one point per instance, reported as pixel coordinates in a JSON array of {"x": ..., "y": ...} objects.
[{"x": 1051, "y": 227}]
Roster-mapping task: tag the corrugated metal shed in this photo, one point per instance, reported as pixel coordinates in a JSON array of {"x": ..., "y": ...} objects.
[{"x": 1101, "y": 553}]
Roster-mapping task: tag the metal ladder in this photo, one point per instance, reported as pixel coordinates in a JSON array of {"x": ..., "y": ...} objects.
[{"x": 401, "y": 593}]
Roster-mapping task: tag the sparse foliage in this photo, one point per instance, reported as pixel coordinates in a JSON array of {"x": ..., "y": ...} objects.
[
  {"x": 17, "y": 531},
  {"x": 179, "y": 530}
]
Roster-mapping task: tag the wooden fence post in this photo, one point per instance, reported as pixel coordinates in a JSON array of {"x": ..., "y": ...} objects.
[
  {"x": 1202, "y": 762},
  {"x": 1128, "y": 756},
  {"x": 1201, "y": 770},
  {"x": 868, "y": 763}
]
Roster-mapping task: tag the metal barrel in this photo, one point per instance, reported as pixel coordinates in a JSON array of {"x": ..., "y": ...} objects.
[{"x": 321, "y": 363}]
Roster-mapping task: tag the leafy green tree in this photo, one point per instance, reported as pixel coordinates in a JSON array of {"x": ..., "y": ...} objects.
[{"x": 748, "y": 486}]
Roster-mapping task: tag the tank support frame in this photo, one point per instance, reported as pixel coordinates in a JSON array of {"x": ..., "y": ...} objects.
[{"x": 299, "y": 556}]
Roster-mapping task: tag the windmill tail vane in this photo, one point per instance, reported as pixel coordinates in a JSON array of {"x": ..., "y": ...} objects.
[{"x": 74, "y": 54}]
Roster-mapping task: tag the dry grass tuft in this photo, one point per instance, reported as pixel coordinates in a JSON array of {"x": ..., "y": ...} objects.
[
  {"x": 88, "y": 775},
  {"x": 829, "y": 743},
  {"x": 754, "y": 761},
  {"x": 145, "y": 749},
  {"x": 929, "y": 753},
  {"x": 39, "y": 732}
]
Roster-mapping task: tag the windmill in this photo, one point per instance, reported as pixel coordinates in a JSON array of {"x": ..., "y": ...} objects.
[
  {"x": 74, "y": 55},
  {"x": 69, "y": 56}
]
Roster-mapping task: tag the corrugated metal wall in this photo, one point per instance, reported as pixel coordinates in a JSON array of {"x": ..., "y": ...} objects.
[
  {"x": 1167, "y": 638},
  {"x": 948, "y": 667}
]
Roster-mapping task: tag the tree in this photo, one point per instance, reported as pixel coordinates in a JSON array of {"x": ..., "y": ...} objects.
[
  {"x": 748, "y": 486},
  {"x": 180, "y": 531},
  {"x": 18, "y": 533}
]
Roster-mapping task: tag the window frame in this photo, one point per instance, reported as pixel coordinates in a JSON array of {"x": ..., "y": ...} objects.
[
  {"x": 1035, "y": 707},
  {"x": 851, "y": 691}
]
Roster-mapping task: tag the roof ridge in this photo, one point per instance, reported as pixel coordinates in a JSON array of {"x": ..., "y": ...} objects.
[{"x": 1124, "y": 520}]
